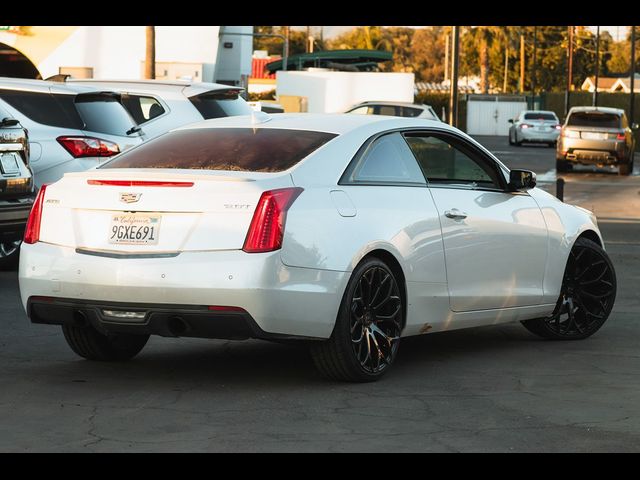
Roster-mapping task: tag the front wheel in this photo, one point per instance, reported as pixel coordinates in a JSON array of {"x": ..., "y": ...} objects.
[
  {"x": 586, "y": 297},
  {"x": 87, "y": 342},
  {"x": 366, "y": 336}
]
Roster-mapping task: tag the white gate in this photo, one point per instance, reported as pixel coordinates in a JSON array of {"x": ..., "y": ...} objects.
[{"x": 490, "y": 114}]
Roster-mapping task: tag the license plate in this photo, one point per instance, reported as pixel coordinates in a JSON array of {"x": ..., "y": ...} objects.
[
  {"x": 127, "y": 229},
  {"x": 9, "y": 163},
  {"x": 593, "y": 135}
]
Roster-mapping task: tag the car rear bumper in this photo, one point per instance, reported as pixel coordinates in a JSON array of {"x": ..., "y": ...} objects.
[
  {"x": 531, "y": 135},
  {"x": 278, "y": 299},
  {"x": 608, "y": 152},
  {"x": 13, "y": 218}
]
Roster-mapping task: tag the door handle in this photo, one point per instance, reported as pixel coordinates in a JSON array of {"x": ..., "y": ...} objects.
[{"x": 455, "y": 214}]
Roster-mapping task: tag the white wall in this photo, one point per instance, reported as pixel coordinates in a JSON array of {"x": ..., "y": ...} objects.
[
  {"x": 332, "y": 92},
  {"x": 117, "y": 52}
]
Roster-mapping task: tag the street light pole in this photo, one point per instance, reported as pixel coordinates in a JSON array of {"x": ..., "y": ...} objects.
[
  {"x": 567, "y": 102},
  {"x": 455, "y": 63},
  {"x": 595, "y": 90},
  {"x": 632, "y": 102},
  {"x": 534, "y": 68}
]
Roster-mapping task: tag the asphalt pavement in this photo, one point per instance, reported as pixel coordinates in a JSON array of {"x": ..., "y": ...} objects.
[{"x": 485, "y": 389}]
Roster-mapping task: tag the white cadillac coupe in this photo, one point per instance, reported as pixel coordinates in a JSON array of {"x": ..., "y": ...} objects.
[{"x": 345, "y": 231}]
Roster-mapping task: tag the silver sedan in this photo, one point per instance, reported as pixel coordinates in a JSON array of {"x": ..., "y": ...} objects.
[{"x": 534, "y": 126}]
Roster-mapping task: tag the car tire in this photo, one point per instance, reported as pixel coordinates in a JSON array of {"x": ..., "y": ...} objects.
[
  {"x": 9, "y": 254},
  {"x": 587, "y": 295},
  {"x": 363, "y": 345},
  {"x": 625, "y": 169},
  {"x": 87, "y": 342},
  {"x": 515, "y": 140},
  {"x": 511, "y": 142},
  {"x": 562, "y": 166}
]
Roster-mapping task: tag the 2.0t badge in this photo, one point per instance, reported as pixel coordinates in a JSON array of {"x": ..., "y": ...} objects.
[{"x": 130, "y": 197}]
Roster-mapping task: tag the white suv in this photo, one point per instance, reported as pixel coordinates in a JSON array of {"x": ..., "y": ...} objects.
[
  {"x": 71, "y": 127},
  {"x": 159, "y": 106}
]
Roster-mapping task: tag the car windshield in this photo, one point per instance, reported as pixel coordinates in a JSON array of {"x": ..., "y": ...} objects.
[
  {"x": 594, "y": 119},
  {"x": 540, "y": 116},
  {"x": 231, "y": 149},
  {"x": 221, "y": 103}
]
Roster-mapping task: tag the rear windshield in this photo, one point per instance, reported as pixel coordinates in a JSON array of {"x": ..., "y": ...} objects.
[
  {"x": 55, "y": 110},
  {"x": 231, "y": 149},
  {"x": 104, "y": 114},
  {"x": 540, "y": 116},
  {"x": 217, "y": 104},
  {"x": 594, "y": 119}
]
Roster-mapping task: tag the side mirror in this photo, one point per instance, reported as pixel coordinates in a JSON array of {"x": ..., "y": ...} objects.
[
  {"x": 8, "y": 122},
  {"x": 510, "y": 120},
  {"x": 521, "y": 180}
]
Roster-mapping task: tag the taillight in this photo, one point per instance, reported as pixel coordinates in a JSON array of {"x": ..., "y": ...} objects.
[
  {"x": 32, "y": 230},
  {"x": 88, "y": 147},
  {"x": 571, "y": 133},
  {"x": 267, "y": 225},
  {"x": 558, "y": 127},
  {"x": 139, "y": 183},
  {"x": 525, "y": 125},
  {"x": 620, "y": 136}
]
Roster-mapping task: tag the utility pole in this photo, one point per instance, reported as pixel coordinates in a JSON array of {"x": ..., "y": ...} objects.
[
  {"x": 309, "y": 46},
  {"x": 534, "y": 68},
  {"x": 506, "y": 66},
  {"x": 521, "y": 62},
  {"x": 150, "y": 53},
  {"x": 632, "y": 103},
  {"x": 285, "y": 54},
  {"x": 455, "y": 62},
  {"x": 567, "y": 95},
  {"x": 446, "y": 57},
  {"x": 595, "y": 90}
]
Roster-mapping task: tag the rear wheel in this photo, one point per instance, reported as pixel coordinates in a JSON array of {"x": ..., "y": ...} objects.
[
  {"x": 366, "y": 337},
  {"x": 626, "y": 168},
  {"x": 511, "y": 142},
  {"x": 586, "y": 298},
  {"x": 9, "y": 252},
  {"x": 87, "y": 342}
]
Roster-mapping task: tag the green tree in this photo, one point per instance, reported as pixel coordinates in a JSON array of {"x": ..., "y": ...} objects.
[
  {"x": 428, "y": 53},
  {"x": 273, "y": 45}
]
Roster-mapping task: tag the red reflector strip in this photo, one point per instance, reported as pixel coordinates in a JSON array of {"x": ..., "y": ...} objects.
[
  {"x": 139, "y": 183},
  {"x": 220, "y": 308}
]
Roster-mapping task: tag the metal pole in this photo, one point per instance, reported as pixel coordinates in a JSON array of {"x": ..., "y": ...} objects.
[
  {"x": 285, "y": 53},
  {"x": 632, "y": 102},
  {"x": 567, "y": 96},
  {"x": 534, "y": 68},
  {"x": 506, "y": 61},
  {"x": 595, "y": 90},
  {"x": 521, "y": 62},
  {"x": 560, "y": 189},
  {"x": 455, "y": 63},
  {"x": 446, "y": 57}
]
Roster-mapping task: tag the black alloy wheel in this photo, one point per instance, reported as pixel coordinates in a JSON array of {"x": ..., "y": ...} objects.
[
  {"x": 586, "y": 298},
  {"x": 366, "y": 337}
]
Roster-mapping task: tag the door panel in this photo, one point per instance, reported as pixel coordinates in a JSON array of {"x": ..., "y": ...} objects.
[{"x": 495, "y": 256}]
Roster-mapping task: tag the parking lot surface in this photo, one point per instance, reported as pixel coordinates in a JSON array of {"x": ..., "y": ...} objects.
[{"x": 485, "y": 389}]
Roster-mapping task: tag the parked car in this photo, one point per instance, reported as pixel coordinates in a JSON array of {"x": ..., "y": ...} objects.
[
  {"x": 16, "y": 188},
  {"x": 160, "y": 105},
  {"x": 394, "y": 109},
  {"x": 534, "y": 126},
  {"x": 596, "y": 136},
  {"x": 71, "y": 127},
  {"x": 331, "y": 229}
]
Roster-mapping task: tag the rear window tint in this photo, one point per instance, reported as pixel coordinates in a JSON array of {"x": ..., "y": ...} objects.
[
  {"x": 48, "y": 109},
  {"x": 540, "y": 116},
  {"x": 142, "y": 108},
  {"x": 231, "y": 149},
  {"x": 217, "y": 104},
  {"x": 103, "y": 114},
  {"x": 594, "y": 119}
]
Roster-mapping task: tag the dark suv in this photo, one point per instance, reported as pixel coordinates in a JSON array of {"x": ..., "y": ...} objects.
[
  {"x": 596, "y": 136},
  {"x": 17, "y": 189}
]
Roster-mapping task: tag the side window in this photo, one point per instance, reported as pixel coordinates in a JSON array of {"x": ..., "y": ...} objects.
[
  {"x": 385, "y": 110},
  {"x": 410, "y": 112},
  {"x": 142, "y": 108},
  {"x": 449, "y": 162},
  {"x": 387, "y": 160},
  {"x": 54, "y": 110},
  {"x": 364, "y": 110}
]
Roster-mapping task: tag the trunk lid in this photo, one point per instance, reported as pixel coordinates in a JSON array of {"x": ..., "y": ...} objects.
[{"x": 182, "y": 210}]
